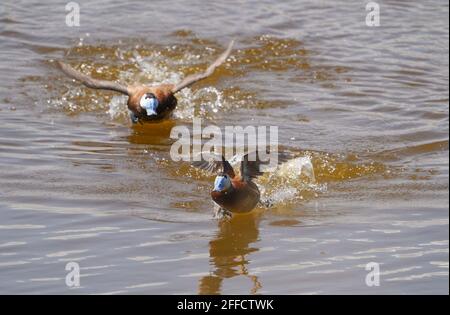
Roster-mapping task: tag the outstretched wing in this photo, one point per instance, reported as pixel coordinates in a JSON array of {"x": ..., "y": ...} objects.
[
  {"x": 188, "y": 81},
  {"x": 252, "y": 163},
  {"x": 90, "y": 82},
  {"x": 214, "y": 165}
]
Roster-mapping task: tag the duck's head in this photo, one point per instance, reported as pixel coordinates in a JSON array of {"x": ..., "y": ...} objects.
[
  {"x": 151, "y": 103},
  {"x": 222, "y": 183}
]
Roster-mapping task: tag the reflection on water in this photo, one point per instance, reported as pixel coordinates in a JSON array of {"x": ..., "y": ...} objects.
[
  {"x": 152, "y": 134},
  {"x": 229, "y": 253}
]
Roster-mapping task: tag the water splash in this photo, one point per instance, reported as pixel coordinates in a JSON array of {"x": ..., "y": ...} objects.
[
  {"x": 204, "y": 102},
  {"x": 138, "y": 62},
  {"x": 291, "y": 181},
  {"x": 153, "y": 69},
  {"x": 117, "y": 110}
]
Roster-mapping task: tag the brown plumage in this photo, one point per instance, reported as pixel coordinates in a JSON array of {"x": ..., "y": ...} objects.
[
  {"x": 164, "y": 94},
  {"x": 236, "y": 193},
  {"x": 240, "y": 198},
  {"x": 147, "y": 103}
]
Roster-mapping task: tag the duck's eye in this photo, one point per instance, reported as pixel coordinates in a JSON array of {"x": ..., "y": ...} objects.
[{"x": 150, "y": 103}]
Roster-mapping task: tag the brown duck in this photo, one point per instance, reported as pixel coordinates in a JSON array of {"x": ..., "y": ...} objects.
[
  {"x": 236, "y": 193},
  {"x": 147, "y": 103}
]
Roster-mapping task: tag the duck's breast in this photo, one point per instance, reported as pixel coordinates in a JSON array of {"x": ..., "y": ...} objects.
[{"x": 243, "y": 198}]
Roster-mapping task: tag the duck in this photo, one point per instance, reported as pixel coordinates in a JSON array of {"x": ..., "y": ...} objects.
[
  {"x": 147, "y": 103},
  {"x": 235, "y": 193}
]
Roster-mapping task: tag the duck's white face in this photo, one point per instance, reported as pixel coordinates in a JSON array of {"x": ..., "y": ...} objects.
[
  {"x": 222, "y": 183},
  {"x": 150, "y": 103}
]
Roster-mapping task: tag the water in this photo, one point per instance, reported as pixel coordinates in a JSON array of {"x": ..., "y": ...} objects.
[{"x": 364, "y": 110}]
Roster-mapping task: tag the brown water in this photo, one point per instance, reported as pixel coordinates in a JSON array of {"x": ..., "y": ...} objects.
[{"x": 367, "y": 107}]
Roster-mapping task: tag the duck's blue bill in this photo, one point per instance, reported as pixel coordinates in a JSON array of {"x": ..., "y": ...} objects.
[
  {"x": 220, "y": 183},
  {"x": 150, "y": 105}
]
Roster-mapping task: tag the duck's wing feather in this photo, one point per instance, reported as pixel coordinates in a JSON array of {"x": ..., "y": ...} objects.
[
  {"x": 251, "y": 165},
  {"x": 188, "y": 81},
  {"x": 91, "y": 82},
  {"x": 214, "y": 164}
]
